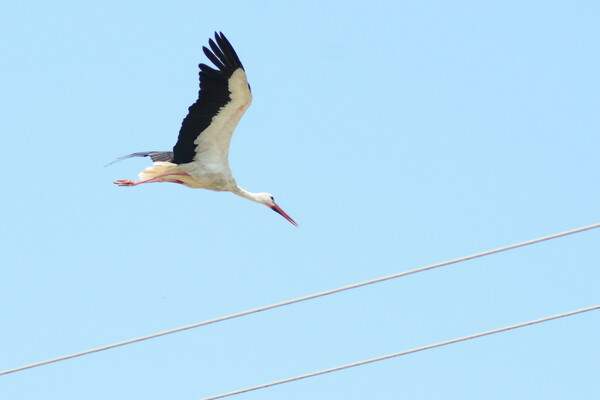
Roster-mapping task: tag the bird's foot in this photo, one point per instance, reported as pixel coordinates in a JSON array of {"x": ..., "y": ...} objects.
[{"x": 125, "y": 182}]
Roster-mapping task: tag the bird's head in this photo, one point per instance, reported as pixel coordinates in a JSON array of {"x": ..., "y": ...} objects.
[{"x": 268, "y": 200}]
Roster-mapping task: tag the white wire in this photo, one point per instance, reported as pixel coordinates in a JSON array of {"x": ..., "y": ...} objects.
[
  {"x": 402, "y": 353},
  {"x": 300, "y": 299}
]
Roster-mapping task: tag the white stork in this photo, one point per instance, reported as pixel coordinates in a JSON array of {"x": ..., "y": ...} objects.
[{"x": 200, "y": 156}]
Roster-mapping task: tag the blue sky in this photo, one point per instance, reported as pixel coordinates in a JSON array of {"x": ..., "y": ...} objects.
[{"x": 397, "y": 134}]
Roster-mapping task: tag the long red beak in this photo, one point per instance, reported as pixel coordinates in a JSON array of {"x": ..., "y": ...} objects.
[{"x": 279, "y": 211}]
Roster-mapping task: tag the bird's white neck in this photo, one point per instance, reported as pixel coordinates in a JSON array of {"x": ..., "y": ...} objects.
[{"x": 246, "y": 194}]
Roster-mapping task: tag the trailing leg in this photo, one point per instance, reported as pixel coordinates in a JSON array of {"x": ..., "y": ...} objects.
[{"x": 128, "y": 182}]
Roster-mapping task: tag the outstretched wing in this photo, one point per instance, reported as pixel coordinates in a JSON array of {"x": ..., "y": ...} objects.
[
  {"x": 154, "y": 156},
  {"x": 223, "y": 98}
]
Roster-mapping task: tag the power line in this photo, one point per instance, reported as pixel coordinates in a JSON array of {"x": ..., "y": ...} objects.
[
  {"x": 300, "y": 299},
  {"x": 402, "y": 353}
]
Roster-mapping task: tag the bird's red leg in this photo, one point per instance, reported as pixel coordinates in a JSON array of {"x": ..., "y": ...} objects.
[{"x": 127, "y": 182}]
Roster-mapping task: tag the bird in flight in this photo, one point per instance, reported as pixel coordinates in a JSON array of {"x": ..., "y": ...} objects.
[{"x": 200, "y": 158}]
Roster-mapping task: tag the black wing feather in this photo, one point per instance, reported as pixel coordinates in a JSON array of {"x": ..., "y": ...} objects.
[
  {"x": 154, "y": 155},
  {"x": 214, "y": 59},
  {"x": 214, "y": 94}
]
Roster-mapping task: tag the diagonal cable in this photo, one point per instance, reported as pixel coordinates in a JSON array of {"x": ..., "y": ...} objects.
[
  {"x": 301, "y": 299},
  {"x": 402, "y": 353}
]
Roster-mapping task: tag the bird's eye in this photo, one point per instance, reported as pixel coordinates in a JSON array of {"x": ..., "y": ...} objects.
[{"x": 272, "y": 199}]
